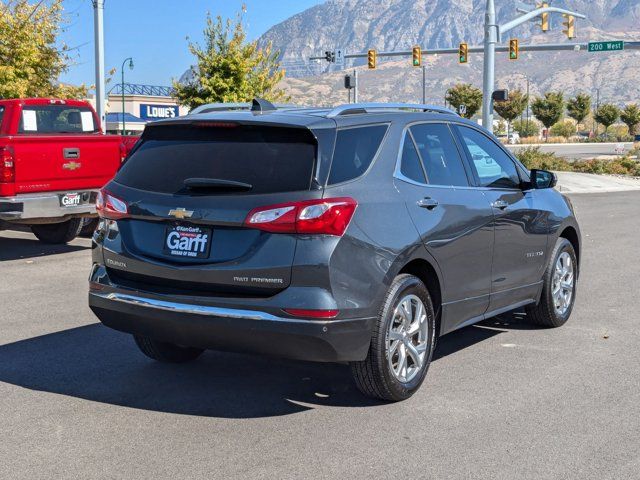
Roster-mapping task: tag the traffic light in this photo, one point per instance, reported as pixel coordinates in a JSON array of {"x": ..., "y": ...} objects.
[
  {"x": 570, "y": 26},
  {"x": 371, "y": 58},
  {"x": 330, "y": 56},
  {"x": 514, "y": 49},
  {"x": 417, "y": 56},
  {"x": 545, "y": 17},
  {"x": 463, "y": 53}
]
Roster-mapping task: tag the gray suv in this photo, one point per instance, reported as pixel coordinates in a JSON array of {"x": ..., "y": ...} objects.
[{"x": 355, "y": 234}]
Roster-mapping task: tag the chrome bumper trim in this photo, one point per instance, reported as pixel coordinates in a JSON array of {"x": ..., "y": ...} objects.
[
  {"x": 42, "y": 205},
  {"x": 218, "y": 312}
]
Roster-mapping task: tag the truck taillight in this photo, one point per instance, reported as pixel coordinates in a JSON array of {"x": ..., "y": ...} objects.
[
  {"x": 111, "y": 207},
  {"x": 7, "y": 165},
  {"x": 327, "y": 216}
]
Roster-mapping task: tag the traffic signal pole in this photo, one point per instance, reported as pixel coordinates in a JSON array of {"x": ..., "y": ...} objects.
[{"x": 492, "y": 35}]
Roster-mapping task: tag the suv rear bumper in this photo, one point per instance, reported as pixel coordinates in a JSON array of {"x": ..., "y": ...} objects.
[
  {"x": 232, "y": 329},
  {"x": 42, "y": 206}
]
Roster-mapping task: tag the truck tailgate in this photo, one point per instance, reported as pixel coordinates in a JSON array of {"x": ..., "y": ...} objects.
[{"x": 64, "y": 162}]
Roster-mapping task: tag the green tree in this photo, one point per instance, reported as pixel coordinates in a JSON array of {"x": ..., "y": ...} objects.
[
  {"x": 230, "y": 69},
  {"x": 607, "y": 115},
  {"x": 630, "y": 116},
  {"x": 467, "y": 95},
  {"x": 31, "y": 60},
  {"x": 512, "y": 108},
  {"x": 579, "y": 107},
  {"x": 525, "y": 128},
  {"x": 564, "y": 129},
  {"x": 549, "y": 109}
]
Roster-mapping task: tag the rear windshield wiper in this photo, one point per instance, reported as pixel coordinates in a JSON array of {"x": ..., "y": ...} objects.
[{"x": 215, "y": 184}]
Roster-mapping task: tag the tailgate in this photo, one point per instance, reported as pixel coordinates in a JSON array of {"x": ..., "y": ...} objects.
[
  {"x": 177, "y": 238},
  {"x": 70, "y": 162}
]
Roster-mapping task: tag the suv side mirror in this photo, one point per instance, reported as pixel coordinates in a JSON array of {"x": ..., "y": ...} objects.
[{"x": 543, "y": 179}]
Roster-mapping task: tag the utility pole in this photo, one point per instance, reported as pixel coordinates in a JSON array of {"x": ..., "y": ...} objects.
[{"x": 98, "y": 30}]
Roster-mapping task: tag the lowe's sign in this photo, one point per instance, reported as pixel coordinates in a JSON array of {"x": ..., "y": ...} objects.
[{"x": 157, "y": 112}]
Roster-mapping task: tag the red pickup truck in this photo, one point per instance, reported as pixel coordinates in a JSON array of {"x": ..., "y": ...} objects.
[{"x": 53, "y": 161}]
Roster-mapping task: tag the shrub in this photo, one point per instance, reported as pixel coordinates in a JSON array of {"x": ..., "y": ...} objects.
[
  {"x": 526, "y": 129},
  {"x": 564, "y": 129}
]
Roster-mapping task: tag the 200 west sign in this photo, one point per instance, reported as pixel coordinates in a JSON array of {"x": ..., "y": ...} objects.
[{"x": 157, "y": 112}]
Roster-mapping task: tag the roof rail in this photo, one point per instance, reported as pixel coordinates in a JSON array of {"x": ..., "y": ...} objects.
[
  {"x": 230, "y": 107},
  {"x": 354, "y": 108}
]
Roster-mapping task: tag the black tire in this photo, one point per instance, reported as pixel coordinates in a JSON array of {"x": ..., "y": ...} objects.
[
  {"x": 166, "y": 352},
  {"x": 57, "y": 233},
  {"x": 544, "y": 313},
  {"x": 89, "y": 226},
  {"x": 374, "y": 376}
]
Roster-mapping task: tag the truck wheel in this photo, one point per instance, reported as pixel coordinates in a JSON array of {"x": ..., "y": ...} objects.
[
  {"x": 558, "y": 288},
  {"x": 401, "y": 345},
  {"x": 166, "y": 352},
  {"x": 58, "y": 232},
  {"x": 89, "y": 226}
]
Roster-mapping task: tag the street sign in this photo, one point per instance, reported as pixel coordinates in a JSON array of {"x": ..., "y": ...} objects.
[
  {"x": 339, "y": 57},
  {"x": 462, "y": 109},
  {"x": 612, "y": 46}
]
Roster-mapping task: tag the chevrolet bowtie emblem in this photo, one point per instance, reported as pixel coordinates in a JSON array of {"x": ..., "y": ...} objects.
[
  {"x": 71, "y": 165},
  {"x": 181, "y": 213}
]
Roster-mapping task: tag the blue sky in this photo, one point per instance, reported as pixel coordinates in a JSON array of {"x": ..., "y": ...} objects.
[{"x": 154, "y": 33}]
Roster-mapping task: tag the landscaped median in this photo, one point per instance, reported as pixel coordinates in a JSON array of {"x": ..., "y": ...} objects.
[{"x": 535, "y": 158}]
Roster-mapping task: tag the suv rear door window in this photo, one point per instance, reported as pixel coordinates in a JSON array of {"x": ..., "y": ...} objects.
[
  {"x": 56, "y": 119},
  {"x": 440, "y": 156},
  {"x": 269, "y": 159},
  {"x": 1, "y": 115},
  {"x": 492, "y": 165},
  {"x": 354, "y": 151}
]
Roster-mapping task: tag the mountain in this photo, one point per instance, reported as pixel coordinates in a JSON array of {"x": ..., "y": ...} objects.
[{"x": 356, "y": 25}]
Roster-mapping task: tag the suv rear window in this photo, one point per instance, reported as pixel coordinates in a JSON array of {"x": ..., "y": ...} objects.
[
  {"x": 270, "y": 159},
  {"x": 354, "y": 151},
  {"x": 56, "y": 119}
]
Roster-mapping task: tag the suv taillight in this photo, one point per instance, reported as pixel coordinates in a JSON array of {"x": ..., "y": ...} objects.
[
  {"x": 7, "y": 165},
  {"x": 327, "y": 216},
  {"x": 110, "y": 207}
]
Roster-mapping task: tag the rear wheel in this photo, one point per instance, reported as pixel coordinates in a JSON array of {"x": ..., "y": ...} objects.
[
  {"x": 402, "y": 343},
  {"x": 57, "y": 233},
  {"x": 166, "y": 352},
  {"x": 559, "y": 288}
]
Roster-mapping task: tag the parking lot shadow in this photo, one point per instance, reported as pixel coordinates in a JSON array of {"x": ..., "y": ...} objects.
[
  {"x": 98, "y": 364},
  {"x": 20, "y": 248}
]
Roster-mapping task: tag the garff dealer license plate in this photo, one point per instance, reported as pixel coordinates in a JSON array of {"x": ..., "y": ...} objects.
[
  {"x": 70, "y": 199},
  {"x": 187, "y": 241}
]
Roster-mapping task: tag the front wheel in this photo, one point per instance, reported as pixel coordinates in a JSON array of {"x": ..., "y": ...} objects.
[
  {"x": 401, "y": 345},
  {"x": 166, "y": 352},
  {"x": 558, "y": 289},
  {"x": 57, "y": 233}
]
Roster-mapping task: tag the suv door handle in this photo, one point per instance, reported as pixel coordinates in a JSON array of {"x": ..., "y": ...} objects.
[
  {"x": 500, "y": 204},
  {"x": 428, "y": 203}
]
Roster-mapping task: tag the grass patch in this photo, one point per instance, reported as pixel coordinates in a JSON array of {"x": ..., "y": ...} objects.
[{"x": 535, "y": 158}]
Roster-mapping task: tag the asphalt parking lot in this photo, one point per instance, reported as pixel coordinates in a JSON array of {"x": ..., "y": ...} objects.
[{"x": 502, "y": 400}]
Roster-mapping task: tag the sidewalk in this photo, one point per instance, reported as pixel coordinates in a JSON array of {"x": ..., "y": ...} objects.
[{"x": 571, "y": 182}]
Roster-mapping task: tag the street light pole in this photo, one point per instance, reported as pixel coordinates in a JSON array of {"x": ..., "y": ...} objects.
[
  {"x": 130, "y": 60},
  {"x": 98, "y": 10},
  {"x": 489, "y": 68}
]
